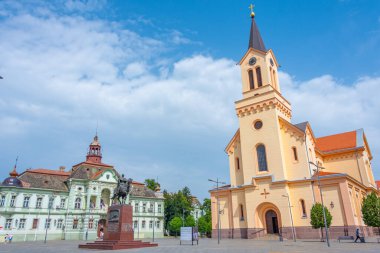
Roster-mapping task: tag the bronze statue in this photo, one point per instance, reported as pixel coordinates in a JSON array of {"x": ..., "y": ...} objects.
[{"x": 122, "y": 190}]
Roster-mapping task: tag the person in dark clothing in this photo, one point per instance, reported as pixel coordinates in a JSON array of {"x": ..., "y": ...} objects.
[{"x": 357, "y": 232}]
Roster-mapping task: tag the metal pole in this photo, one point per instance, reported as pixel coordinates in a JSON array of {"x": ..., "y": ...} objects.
[
  {"x": 48, "y": 219},
  {"x": 218, "y": 208},
  {"x": 183, "y": 217},
  {"x": 153, "y": 218},
  {"x": 291, "y": 217},
  {"x": 323, "y": 208}
]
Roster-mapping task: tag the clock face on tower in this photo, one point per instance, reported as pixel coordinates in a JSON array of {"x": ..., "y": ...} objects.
[{"x": 252, "y": 61}]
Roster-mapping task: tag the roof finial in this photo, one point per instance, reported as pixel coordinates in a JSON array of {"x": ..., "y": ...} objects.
[
  {"x": 251, "y": 6},
  {"x": 96, "y": 133},
  {"x": 14, "y": 172}
]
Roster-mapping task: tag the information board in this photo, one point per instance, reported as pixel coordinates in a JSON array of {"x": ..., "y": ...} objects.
[
  {"x": 186, "y": 234},
  {"x": 189, "y": 234}
]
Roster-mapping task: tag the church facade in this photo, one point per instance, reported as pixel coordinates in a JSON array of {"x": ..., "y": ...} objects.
[
  {"x": 279, "y": 169},
  {"x": 59, "y": 204}
]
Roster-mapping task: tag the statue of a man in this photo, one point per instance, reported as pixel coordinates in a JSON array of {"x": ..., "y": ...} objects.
[{"x": 123, "y": 189}]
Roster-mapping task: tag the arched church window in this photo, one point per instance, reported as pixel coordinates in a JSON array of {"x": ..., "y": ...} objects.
[
  {"x": 303, "y": 207},
  {"x": 271, "y": 76},
  {"x": 258, "y": 75},
  {"x": 295, "y": 155},
  {"x": 77, "y": 203},
  {"x": 251, "y": 80},
  {"x": 237, "y": 166},
  {"x": 262, "y": 158},
  {"x": 241, "y": 212},
  {"x": 274, "y": 79}
]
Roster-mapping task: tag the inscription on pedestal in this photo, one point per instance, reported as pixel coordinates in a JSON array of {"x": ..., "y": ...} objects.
[
  {"x": 127, "y": 227},
  {"x": 113, "y": 226}
]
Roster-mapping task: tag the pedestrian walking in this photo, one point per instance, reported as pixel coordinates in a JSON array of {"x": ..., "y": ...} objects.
[{"x": 357, "y": 232}]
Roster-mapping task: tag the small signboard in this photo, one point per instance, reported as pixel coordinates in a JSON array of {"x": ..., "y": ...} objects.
[{"x": 189, "y": 234}]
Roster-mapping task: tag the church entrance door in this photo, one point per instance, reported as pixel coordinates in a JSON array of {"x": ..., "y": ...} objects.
[{"x": 271, "y": 222}]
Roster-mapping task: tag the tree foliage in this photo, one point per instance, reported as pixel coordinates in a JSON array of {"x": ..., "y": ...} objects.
[
  {"x": 316, "y": 215},
  {"x": 178, "y": 204},
  {"x": 190, "y": 221},
  {"x": 152, "y": 184},
  {"x": 371, "y": 210},
  {"x": 175, "y": 225},
  {"x": 204, "y": 222},
  {"x": 317, "y": 219}
]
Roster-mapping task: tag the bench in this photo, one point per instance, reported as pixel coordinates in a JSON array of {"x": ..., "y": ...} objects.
[{"x": 346, "y": 237}]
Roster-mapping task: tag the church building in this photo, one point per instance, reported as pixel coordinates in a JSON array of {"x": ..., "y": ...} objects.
[
  {"x": 63, "y": 205},
  {"x": 276, "y": 166}
]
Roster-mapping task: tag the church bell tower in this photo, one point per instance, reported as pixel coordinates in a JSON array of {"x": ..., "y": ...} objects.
[{"x": 259, "y": 112}]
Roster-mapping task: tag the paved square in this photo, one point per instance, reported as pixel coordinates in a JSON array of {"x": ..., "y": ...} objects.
[{"x": 205, "y": 246}]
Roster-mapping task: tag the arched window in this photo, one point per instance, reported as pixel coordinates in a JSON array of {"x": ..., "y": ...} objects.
[
  {"x": 271, "y": 76},
  {"x": 77, "y": 203},
  {"x": 295, "y": 155},
  {"x": 251, "y": 80},
  {"x": 262, "y": 158},
  {"x": 258, "y": 75},
  {"x": 237, "y": 166},
  {"x": 274, "y": 79},
  {"x": 303, "y": 208},
  {"x": 241, "y": 212}
]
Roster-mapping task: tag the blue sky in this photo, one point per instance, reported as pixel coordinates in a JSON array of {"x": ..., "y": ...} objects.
[{"x": 160, "y": 79}]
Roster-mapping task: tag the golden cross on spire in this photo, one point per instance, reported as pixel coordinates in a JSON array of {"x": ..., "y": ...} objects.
[{"x": 251, "y": 6}]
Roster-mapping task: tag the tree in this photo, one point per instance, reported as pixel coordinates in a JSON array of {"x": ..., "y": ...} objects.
[
  {"x": 175, "y": 225},
  {"x": 190, "y": 221},
  {"x": 152, "y": 184},
  {"x": 178, "y": 204},
  {"x": 371, "y": 210},
  {"x": 204, "y": 222},
  {"x": 317, "y": 220},
  {"x": 204, "y": 226}
]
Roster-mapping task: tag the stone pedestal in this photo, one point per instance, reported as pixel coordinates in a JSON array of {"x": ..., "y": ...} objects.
[{"x": 118, "y": 232}]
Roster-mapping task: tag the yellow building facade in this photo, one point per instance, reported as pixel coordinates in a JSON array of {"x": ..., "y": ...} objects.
[{"x": 273, "y": 162}]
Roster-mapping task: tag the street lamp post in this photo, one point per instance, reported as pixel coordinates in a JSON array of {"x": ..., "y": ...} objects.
[
  {"x": 217, "y": 203},
  {"x": 50, "y": 203},
  {"x": 154, "y": 204},
  {"x": 291, "y": 216},
  {"x": 323, "y": 206}
]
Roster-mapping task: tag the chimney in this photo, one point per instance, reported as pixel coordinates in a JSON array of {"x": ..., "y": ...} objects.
[{"x": 62, "y": 168}]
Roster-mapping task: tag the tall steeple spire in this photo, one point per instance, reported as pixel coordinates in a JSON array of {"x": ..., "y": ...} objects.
[{"x": 255, "y": 40}]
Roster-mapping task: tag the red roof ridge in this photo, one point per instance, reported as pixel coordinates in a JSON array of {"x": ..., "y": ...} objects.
[
  {"x": 50, "y": 172},
  {"x": 90, "y": 163},
  {"x": 378, "y": 184},
  {"x": 135, "y": 182},
  {"x": 326, "y": 173},
  {"x": 338, "y": 141}
]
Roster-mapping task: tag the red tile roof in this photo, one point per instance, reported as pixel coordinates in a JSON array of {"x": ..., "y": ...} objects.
[
  {"x": 50, "y": 172},
  {"x": 325, "y": 173},
  {"x": 378, "y": 184},
  {"x": 137, "y": 183},
  {"x": 93, "y": 164},
  {"x": 337, "y": 141}
]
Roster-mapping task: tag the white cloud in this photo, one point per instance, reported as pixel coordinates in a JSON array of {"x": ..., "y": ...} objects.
[{"x": 157, "y": 117}]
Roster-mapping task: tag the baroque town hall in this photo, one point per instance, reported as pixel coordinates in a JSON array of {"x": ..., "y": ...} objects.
[
  {"x": 273, "y": 161},
  {"x": 73, "y": 204}
]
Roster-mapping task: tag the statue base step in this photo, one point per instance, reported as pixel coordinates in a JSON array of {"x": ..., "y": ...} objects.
[
  {"x": 115, "y": 245},
  {"x": 118, "y": 232}
]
